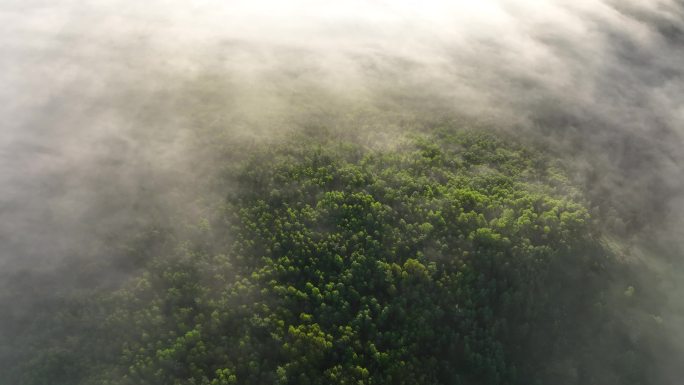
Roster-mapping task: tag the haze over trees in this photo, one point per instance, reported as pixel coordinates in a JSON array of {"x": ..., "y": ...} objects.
[
  {"x": 363, "y": 192},
  {"x": 448, "y": 257}
]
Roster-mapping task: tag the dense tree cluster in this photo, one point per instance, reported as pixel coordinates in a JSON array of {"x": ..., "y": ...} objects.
[{"x": 449, "y": 257}]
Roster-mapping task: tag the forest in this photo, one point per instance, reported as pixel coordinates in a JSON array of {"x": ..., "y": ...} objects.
[
  {"x": 360, "y": 192},
  {"x": 449, "y": 255}
]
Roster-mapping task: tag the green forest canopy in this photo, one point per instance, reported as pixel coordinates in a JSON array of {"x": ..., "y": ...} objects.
[{"x": 449, "y": 257}]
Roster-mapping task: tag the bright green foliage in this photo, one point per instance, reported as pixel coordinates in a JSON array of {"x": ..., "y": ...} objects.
[
  {"x": 445, "y": 260},
  {"x": 430, "y": 263}
]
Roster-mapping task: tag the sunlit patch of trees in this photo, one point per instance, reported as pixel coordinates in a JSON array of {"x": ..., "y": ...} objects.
[{"x": 453, "y": 257}]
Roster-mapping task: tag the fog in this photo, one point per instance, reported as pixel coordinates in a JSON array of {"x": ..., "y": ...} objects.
[{"x": 110, "y": 108}]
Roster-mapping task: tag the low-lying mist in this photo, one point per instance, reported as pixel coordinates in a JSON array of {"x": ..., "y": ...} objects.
[{"x": 121, "y": 116}]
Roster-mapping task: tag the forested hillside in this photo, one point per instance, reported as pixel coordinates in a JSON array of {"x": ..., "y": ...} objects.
[{"x": 447, "y": 256}]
